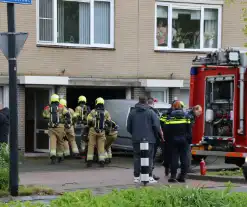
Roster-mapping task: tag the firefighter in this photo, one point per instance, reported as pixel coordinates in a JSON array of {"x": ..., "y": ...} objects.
[
  {"x": 178, "y": 127},
  {"x": 80, "y": 117},
  {"x": 111, "y": 135},
  {"x": 69, "y": 131},
  {"x": 96, "y": 122},
  {"x": 82, "y": 110},
  {"x": 59, "y": 118}
]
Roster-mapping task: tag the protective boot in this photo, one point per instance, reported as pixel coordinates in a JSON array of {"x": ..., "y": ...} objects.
[
  {"x": 53, "y": 160},
  {"x": 172, "y": 179},
  {"x": 89, "y": 163},
  {"x": 59, "y": 159},
  {"x": 107, "y": 161},
  {"x": 102, "y": 164}
]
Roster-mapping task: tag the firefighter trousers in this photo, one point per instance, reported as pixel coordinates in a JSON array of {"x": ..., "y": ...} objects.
[
  {"x": 56, "y": 140},
  {"x": 70, "y": 134},
  {"x": 66, "y": 148},
  {"x": 109, "y": 140},
  {"x": 97, "y": 139}
]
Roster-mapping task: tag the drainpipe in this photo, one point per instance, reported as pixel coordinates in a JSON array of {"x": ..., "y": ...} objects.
[{"x": 241, "y": 100}]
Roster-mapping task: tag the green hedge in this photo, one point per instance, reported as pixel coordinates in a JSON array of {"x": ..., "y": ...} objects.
[
  {"x": 147, "y": 197},
  {"x": 4, "y": 167}
]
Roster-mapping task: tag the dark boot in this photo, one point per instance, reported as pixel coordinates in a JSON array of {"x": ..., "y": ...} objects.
[
  {"x": 172, "y": 179},
  {"x": 102, "y": 164},
  {"x": 60, "y": 159},
  {"x": 167, "y": 170},
  {"x": 107, "y": 161},
  {"x": 156, "y": 177},
  {"x": 53, "y": 160},
  {"x": 181, "y": 179},
  {"x": 89, "y": 163}
]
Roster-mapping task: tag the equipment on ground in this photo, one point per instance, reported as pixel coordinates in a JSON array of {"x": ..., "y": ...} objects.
[
  {"x": 218, "y": 84},
  {"x": 203, "y": 169}
]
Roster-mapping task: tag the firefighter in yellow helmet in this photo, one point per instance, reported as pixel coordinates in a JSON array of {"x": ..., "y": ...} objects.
[
  {"x": 80, "y": 117},
  {"x": 96, "y": 121},
  {"x": 82, "y": 110},
  {"x": 70, "y": 133},
  {"x": 111, "y": 136},
  {"x": 59, "y": 118}
]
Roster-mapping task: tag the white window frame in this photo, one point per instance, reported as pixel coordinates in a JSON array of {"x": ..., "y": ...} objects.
[
  {"x": 200, "y": 7},
  {"x": 92, "y": 44}
]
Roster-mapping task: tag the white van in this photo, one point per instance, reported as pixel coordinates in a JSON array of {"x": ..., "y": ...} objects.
[{"x": 119, "y": 110}]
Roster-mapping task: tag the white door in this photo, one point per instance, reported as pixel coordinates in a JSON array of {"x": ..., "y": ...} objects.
[{"x": 41, "y": 99}]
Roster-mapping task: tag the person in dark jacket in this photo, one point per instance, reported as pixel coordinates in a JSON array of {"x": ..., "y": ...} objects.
[
  {"x": 143, "y": 123},
  {"x": 178, "y": 126},
  {"x": 4, "y": 125},
  {"x": 159, "y": 136}
]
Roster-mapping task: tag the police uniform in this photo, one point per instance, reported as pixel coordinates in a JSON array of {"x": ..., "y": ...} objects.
[
  {"x": 167, "y": 142},
  {"x": 111, "y": 136},
  {"x": 59, "y": 117},
  {"x": 178, "y": 126},
  {"x": 96, "y": 121},
  {"x": 70, "y": 133}
]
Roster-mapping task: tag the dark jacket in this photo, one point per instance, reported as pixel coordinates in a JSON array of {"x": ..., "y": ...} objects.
[
  {"x": 4, "y": 125},
  {"x": 143, "y": 123},
  {"x": 181, "y": 131}
]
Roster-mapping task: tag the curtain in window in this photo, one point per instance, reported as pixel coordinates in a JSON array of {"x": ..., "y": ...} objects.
[
  {"x": 84, "y": 25},
  {"x": 46, "y": 20},
  {"x": 60, "y": 21},
  {"x": 101, "y": 22},
  {"x": 210, "y": 28}
]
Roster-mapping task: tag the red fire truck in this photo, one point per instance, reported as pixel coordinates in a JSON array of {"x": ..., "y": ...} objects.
[{"x": 218, "y": 84}]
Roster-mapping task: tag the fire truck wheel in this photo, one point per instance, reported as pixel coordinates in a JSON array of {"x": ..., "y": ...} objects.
[
  {"x": 244, "y": 168},
  {"x": 198, "y": 158}
]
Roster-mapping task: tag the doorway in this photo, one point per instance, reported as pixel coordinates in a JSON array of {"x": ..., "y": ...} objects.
[{"x": 37, "y": 139}]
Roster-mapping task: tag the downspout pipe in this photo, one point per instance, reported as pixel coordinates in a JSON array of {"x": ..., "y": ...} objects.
[{"x": 241, "y": 101}]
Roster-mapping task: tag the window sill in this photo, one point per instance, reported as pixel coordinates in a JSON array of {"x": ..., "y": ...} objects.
[
  {"x": 177, "y": 50},
  {"x": 74, "y": 46}
]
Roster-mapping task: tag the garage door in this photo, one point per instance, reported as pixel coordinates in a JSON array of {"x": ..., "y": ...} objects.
[{"x": 184, "y": 96}]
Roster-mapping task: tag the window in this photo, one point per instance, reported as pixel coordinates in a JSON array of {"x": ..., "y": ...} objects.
[
  {"x": 86, "y": 23},
  {"x": 187, "y": 27}
]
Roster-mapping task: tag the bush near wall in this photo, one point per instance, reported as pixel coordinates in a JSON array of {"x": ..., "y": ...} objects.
[
  {"x": 147, "y": 197},
  {"x": 4, "y": 167}
]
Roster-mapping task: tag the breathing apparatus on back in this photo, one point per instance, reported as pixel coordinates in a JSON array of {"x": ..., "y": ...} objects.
[{"x": 54, "y": 114}]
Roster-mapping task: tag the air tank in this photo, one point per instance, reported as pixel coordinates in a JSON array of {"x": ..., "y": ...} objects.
[{"x": 209, "y": 115}]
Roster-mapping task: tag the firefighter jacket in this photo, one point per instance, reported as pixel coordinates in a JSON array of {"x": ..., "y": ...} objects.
[
  {"x": 177, "y": 127},
  {"x": 61, "y": 113},
  {"x": 97, "y": 119},
  {"x": 81, "y": 113}
]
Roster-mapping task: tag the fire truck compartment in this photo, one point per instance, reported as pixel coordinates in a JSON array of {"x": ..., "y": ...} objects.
[{"x": 219, "y": 96}]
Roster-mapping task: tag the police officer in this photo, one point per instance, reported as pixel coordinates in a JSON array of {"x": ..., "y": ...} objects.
[
  {"x": 96, "y": 122},
  {"x": 59, "y": 118},
  {"x": 178, "y": 126},
  {"x": 69, "y": 131},
  {"x": 111, "y": 136}
]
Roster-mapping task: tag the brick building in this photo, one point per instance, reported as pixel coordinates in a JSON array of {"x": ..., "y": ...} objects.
[{"x": 110, "y": 48}]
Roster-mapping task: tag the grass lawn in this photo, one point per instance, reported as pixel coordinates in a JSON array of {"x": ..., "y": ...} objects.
[
  {"x": 230, "y": 173},
  {"x": 30, "y": 190}
]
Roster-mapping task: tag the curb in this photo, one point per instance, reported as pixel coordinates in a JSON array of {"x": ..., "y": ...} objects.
[{"x": 238, "y": 180}]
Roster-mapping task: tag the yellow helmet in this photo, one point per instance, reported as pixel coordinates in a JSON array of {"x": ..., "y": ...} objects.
[
  {"x": 82, "y": 99},
  {"x": 54, "y": 98},
  {"x": 99, "y": 101},
  {"x": 63, "y": 102}
]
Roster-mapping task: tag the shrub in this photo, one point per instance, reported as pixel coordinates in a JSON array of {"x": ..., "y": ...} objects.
[
  {"x": 4, "y": 166},
  {"x": 147, "y": 197}
]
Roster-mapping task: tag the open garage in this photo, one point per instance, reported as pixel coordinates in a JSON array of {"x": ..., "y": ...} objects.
[{"x": 92, "y": 93}]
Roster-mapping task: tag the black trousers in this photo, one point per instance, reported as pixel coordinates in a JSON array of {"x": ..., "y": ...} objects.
[
  {"x": 179, "y": 152},
  {"x": 167, "y": 154},
  {"x": 137, "y": 159}
]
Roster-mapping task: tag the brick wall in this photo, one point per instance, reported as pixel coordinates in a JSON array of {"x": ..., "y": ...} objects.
[
  {"x": 61, "y": 91},
  {"x": 21, "y": 116}
]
